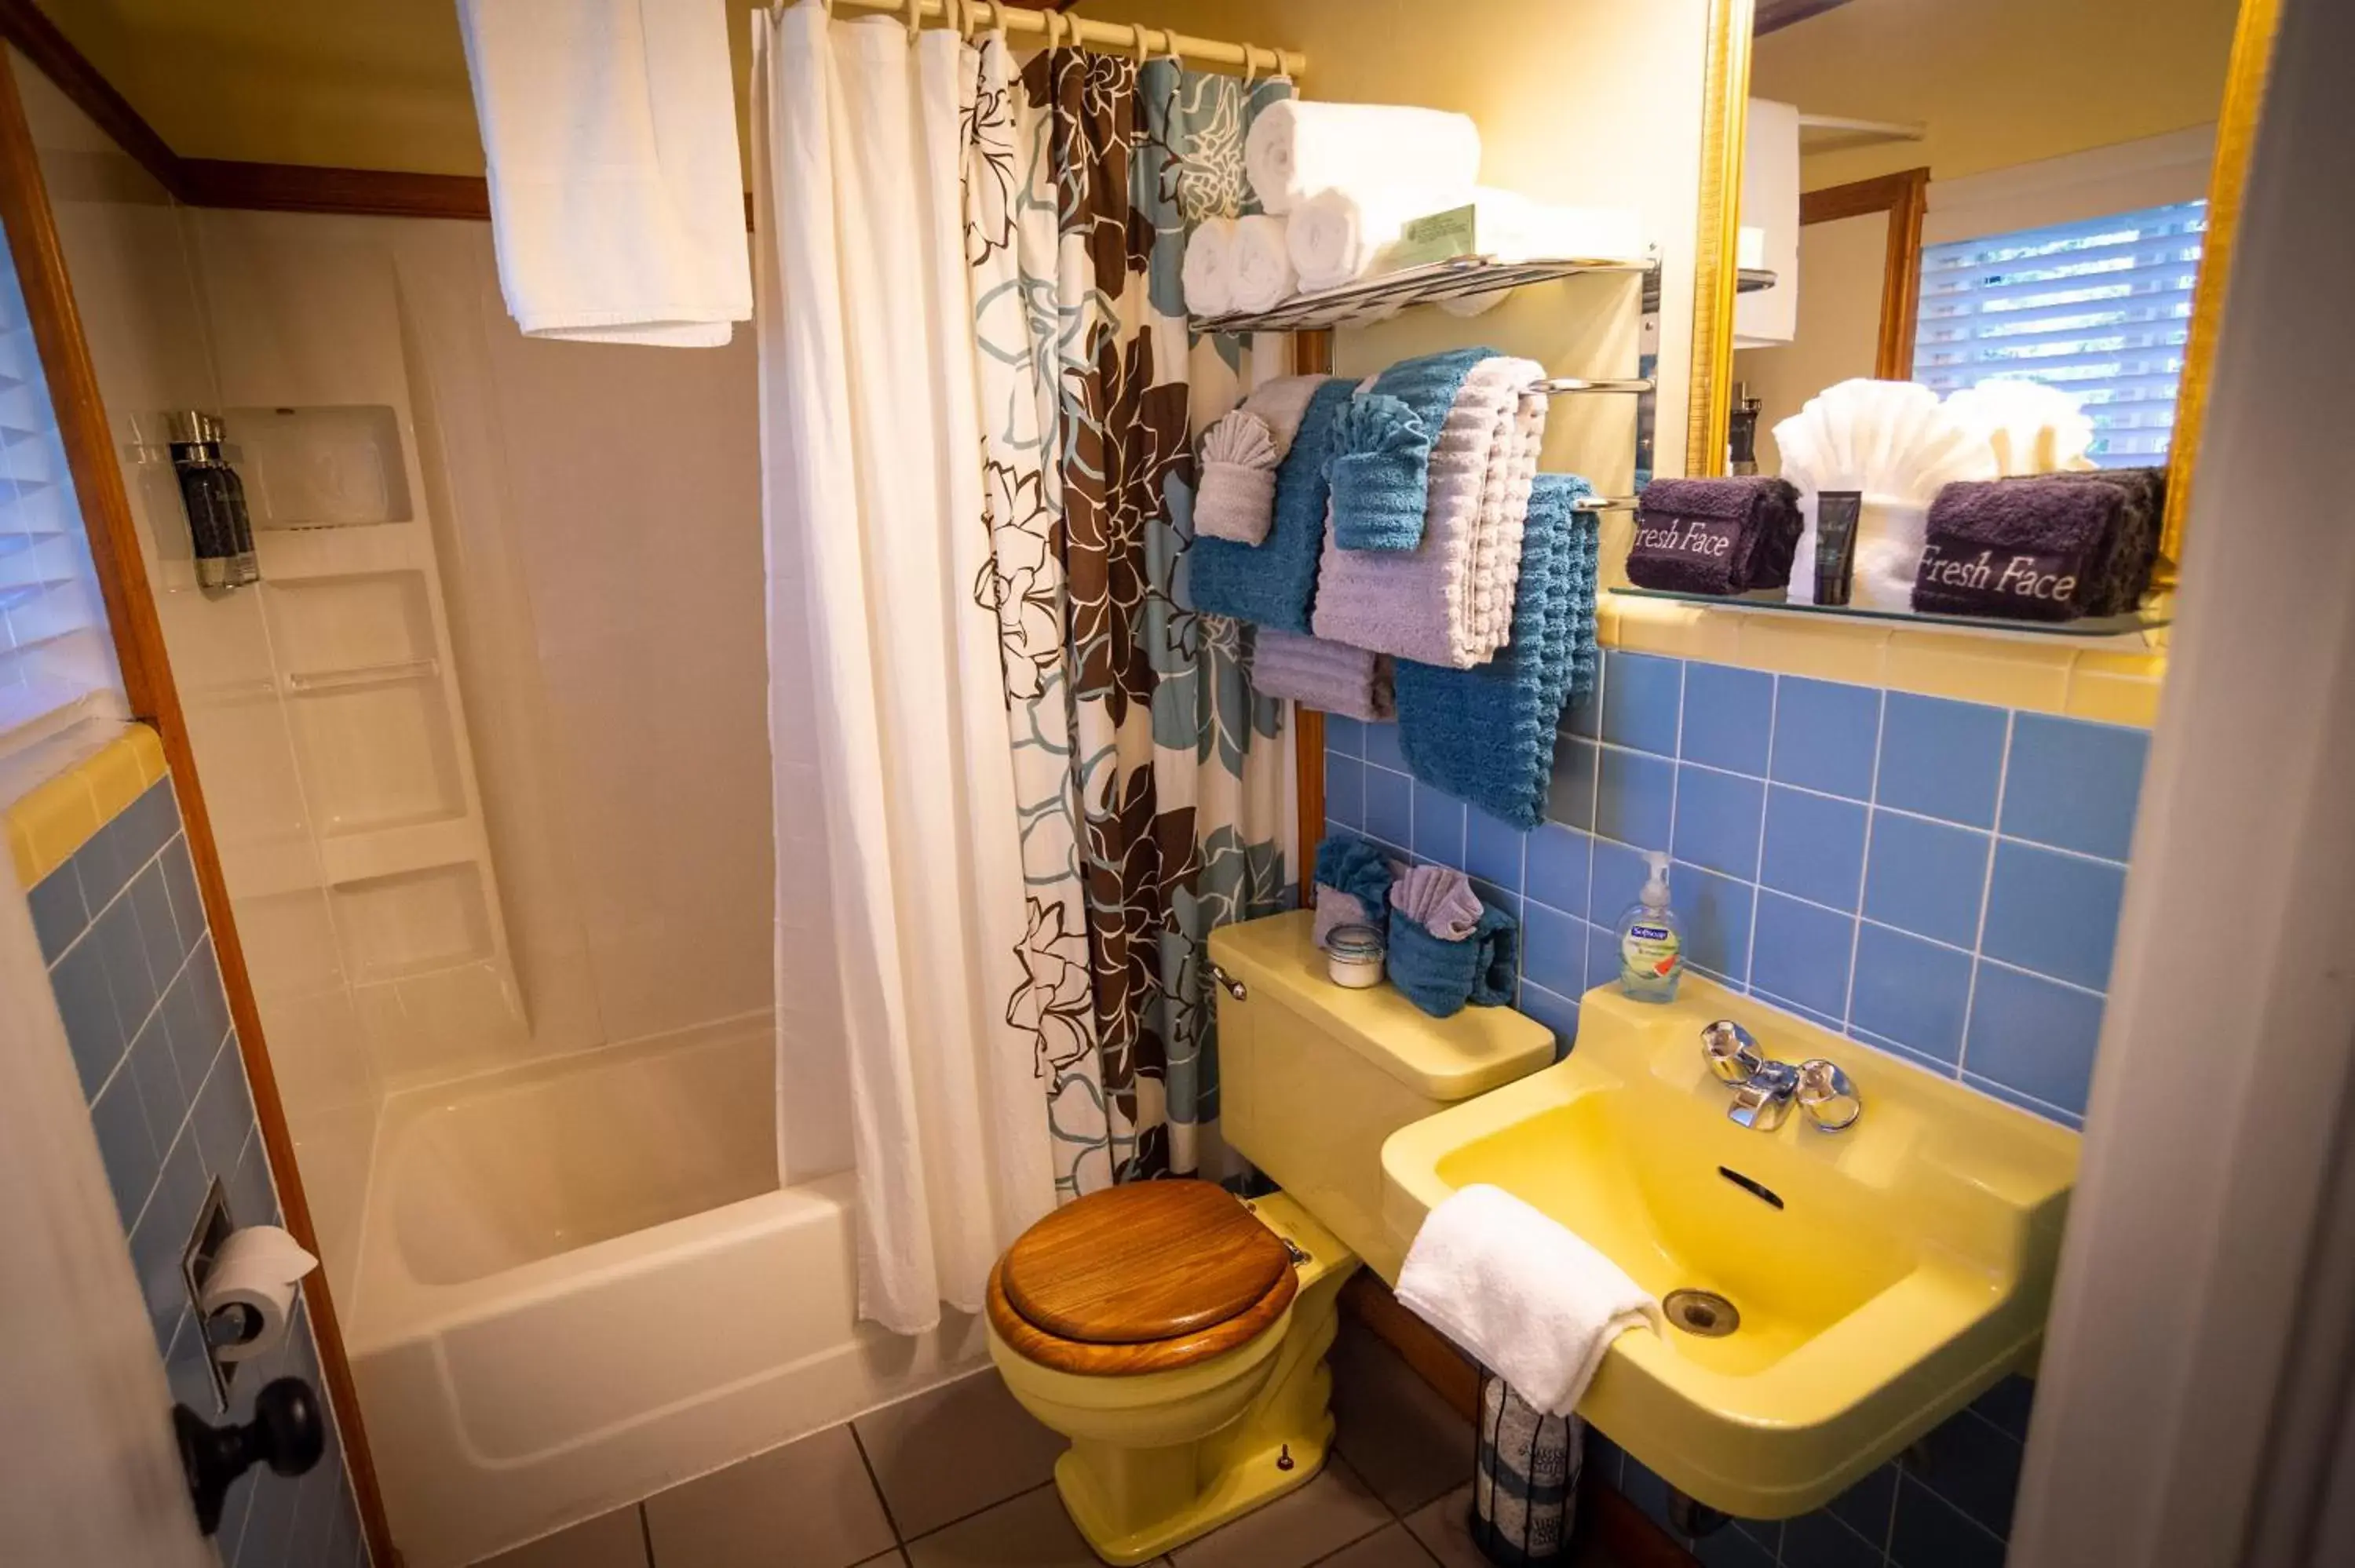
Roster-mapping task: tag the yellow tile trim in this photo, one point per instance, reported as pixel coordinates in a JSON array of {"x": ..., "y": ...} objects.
[
  {"x": 2115, "y": 682},
  {"x": 48, "y": 823}
]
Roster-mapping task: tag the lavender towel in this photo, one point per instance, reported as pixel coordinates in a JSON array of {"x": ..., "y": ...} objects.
[
  {"x": 2020, "y": 549},
  {"x": 1240, "y": 454},
  {"x": 1715, "y": 535},
  {"x": 1332, "y": 677},
  {"x": 1440, "y": 899},
  {"x": 1449, "y": 601},
  {"x": 1336, "y": 910}
]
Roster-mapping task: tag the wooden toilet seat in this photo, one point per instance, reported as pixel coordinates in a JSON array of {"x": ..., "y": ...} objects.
[{"x": 1147, "y": 1277}]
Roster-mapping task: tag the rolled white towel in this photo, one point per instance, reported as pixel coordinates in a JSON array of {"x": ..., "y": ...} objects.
[
  {"x": 1338, "y": 235},
  {"x": 1259, "y": 265},
  {"x": 1295, "y": 149},
  {"x": 1207, "y": 272}
]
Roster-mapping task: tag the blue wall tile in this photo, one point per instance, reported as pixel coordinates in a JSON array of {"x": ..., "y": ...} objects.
[
  {"x": 1915, "y": 992},
  {"x": 1942, "y": 758},
  {"x": 1615, "y": 883},
  {"x": 159, "y": 933},
  {"x": 180, "y": 881},
  {"x": 1557, "y": 867},
  {"x": 1826, "y": 736},
  {"x": 2055, "y": 914},
  {"x": 86, "y": 1003},
  {"x": 1570, "y": 796},
  {"x": 1492, "y": 850},
  {"x": 1602, "y": 954},
  {"x": 1438, "y": 825},
  {"x": 1729, "y": 717},
  {"x": 1390, "y": 807},
  {"x": 150, "y": 1066},
  {"x": 125, "y": 1145},
  {"x": 1926, "y": 877},
  {"x": 1642, "y": 698},
  {"x": 1801, "y": 954},
  {"x": 58, "y": 912},
  {"x": 1718, "y": 818},
  {"x": 2073, "y": 784},
  {"x": 1344, "y": 790},
  {"x": 1815, "y": 847},
  {"x": 1717, "y": 912},
  {"x": 1553, "y": 950},
  {"x": 2033, "y": 1035},
  {"x": 1344, "y": 734},
  {"x": 124, "y": 953},
  {"x": 1634, "y": 798},
  {"x": 1382, "y": 747}
]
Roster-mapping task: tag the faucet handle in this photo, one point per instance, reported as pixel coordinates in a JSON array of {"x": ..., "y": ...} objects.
[
  {"x": 1732, "y": 1052},
  {"x": 1825, "y": 1093}
]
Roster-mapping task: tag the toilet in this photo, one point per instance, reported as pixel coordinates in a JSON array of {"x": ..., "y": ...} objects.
[{"x": 1177, "y": 1334}]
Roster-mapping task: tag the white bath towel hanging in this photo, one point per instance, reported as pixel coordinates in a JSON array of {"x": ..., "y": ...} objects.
[{"x": 617, "y": 189}]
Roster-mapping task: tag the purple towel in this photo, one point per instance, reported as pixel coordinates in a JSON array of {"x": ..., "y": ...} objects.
[
  {"x": 1715, "y": 535},
  {"x": 2125, "y": 577},
  {"x": 2020, "y": 549}
]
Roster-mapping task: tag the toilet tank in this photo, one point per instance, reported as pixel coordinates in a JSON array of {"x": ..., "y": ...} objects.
[{"x": 1314, "y": 1076}]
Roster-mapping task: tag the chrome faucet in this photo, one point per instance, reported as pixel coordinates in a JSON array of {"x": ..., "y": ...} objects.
[{"x": 1765, "y": 1089}]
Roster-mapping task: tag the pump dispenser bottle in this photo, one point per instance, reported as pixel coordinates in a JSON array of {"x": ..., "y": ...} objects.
[{"x": 1652, "y": 940}]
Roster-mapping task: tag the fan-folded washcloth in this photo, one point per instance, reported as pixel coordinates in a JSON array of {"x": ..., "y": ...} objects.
[
  {"x": 1297, "y": 147},
  {"x": 1273, "y": 583},
  {"x": 1439, "y": 898},
  {"x": 1240, "y": 454},
  {"x": 1449, "y": 601},
  {"x": 2020, "y": 549},
  {"x": 1522, "y": 1295},
  {"x": 1440, "y": 976},
  {"x": 1259, "y": 263},
  {"x": 2127, "y": 576},
  {"x": 1485, "y": 734},
  {"x": 617, "y": 191},
  {"x": 1206, "y": 272},
  {"x": 1331, "y": 677},
  {"x": 1715, "y": 535},
  {"x": 1381, "y": 462}
]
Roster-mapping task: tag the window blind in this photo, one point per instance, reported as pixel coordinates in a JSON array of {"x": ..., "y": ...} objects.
[
  {"x": 56, "y": 656},
  {"x": 2099, "y": 308}
]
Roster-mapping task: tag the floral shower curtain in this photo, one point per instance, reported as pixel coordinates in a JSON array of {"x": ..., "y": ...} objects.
[{"x": 1147, "y": 776}]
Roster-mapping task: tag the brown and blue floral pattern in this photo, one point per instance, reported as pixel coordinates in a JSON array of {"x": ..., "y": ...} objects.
[{"x": 1149, "y": 782}]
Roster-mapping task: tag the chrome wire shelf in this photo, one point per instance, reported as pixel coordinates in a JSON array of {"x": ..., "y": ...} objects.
[
  {"x": 1377, "y": 298},
  {"x": 2151, "y": 617}
]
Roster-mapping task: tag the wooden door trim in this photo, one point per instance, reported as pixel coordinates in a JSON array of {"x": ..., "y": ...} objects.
[
  {"x": 1311, "y": 355},
  {"x": 1905, "y": 198},
  {"x": 88, "y": 440}
]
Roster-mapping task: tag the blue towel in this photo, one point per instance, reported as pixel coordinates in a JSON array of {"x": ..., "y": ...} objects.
[
  {"x": 1357, "y": 868},
  {"x": 1487, "y": 735},
  {"x": 1440, "y": 976},
  {"x": 1381, "y": 454},
  {"x": 1275, "y": 583}
]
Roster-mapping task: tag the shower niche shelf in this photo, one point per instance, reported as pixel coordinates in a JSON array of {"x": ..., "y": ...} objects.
[{"x": 334, "y": 467}]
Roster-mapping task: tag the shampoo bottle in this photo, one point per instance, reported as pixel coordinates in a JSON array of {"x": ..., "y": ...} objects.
[{"x": 1652, "y": 940}]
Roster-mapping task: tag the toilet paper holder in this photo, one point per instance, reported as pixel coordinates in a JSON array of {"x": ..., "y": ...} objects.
[
  {"x": 212, "y": 1228},
  {"x": 242, "y": 1284}
]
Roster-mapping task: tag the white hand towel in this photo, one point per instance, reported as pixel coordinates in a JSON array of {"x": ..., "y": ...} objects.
[
  {"x": 1521, "y": 1295},
  {"x": 617, "y": 188},
  {"x": 1259, "y": 265},
  {"x": 1296, "y": 148},
  {"x": 1206, "y": 273}
]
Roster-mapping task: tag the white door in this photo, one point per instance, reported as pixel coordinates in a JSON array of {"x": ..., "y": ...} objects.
[{"x": 90, "y": 1471}]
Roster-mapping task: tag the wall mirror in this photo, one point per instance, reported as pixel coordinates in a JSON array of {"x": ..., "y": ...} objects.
[{"x": 2030, "y": 191}]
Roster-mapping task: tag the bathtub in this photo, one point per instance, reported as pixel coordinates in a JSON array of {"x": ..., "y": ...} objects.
[{"x": 580, "y": 1283}]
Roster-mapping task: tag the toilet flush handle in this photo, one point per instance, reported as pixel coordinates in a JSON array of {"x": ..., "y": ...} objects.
[{"x": 1234, "y": 988}]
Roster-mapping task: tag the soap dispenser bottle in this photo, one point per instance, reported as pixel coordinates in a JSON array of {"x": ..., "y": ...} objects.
[{"x": 1652, "y": 940}]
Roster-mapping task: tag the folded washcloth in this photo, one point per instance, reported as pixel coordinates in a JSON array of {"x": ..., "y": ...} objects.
[
  {"x": 1449, "y": 601},
  {"x": 1522, "y": 1295},
  {"x": 1440, "y": 976},
  {"x": 1381, "y": 464},
  {"x": 1259, "y": 263},
  {"x": 1207, "y": 275},
  {"x": 617, "y": 190},
  {"x": 2127, "y": 576},
  {"x": 2020, "y": 549},
  {"x": 1331, "y": 677},
  {"x": 1295, "y": 148},
  {"x": 1237, "y": 497},
  {"x": 1351, "y": 865},
  {"x": 1336, "y": 910},
  {"x": 1440, "y": 899},
  {"x": 1715, "y": 535},
  {"x": 1275, "y": 583},
  {"x": 1487, "y": 735}
]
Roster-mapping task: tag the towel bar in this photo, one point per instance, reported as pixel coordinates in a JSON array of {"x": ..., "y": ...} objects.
[{"x": 1555, "y": 387}]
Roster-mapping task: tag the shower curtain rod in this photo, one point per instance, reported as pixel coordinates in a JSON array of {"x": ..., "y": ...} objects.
[{"x": 1146, "y": 43}]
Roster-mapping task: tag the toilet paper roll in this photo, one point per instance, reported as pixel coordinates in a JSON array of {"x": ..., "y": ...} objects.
[{"x": 254, "y": 1275}]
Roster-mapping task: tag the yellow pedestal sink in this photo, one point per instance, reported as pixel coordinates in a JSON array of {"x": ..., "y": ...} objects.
[{"x": 1884, "y": 1275}]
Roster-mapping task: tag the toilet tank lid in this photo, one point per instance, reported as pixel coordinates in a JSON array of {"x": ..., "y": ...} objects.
[{"x": 1443, "y": 1059}]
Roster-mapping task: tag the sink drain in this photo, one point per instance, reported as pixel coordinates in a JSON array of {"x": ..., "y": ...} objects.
[{"x": 1704, "y": 1313}]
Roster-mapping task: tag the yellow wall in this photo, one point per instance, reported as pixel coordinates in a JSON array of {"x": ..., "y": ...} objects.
[{"x": 1998, "y": 82}]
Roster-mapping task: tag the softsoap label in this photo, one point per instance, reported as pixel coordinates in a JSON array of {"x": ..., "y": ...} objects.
[
  {"x": 1688, "y": 538},
  {"x": 1649, "y": 951},
  {"x": 2042, "y": 579}
]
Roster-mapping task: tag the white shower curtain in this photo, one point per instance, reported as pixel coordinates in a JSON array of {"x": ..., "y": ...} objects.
[{"x": 870, "y": 449}]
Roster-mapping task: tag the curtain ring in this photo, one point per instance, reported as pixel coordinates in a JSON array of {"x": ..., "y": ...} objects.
[
  {"x": 915, "y": 18},
  {"x": 1250, "y": 64},
  {"x": 1137, "y": 34}
]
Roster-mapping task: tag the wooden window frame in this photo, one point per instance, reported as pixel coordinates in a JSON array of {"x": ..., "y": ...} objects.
[{"x": 1904, "y": 198}]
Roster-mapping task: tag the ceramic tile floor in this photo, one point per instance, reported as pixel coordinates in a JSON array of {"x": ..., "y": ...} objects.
[{"x": 960, "y": 1478}]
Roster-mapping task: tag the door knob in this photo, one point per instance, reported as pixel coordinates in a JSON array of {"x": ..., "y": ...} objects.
[{"x": 286, "y": 1434}]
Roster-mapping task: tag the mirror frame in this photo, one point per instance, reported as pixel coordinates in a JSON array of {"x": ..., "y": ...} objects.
[{"x": 1724, "y": 125}]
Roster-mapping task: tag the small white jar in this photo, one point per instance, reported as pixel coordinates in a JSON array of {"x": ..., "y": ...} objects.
[{"x": 1353, "y": 957}]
